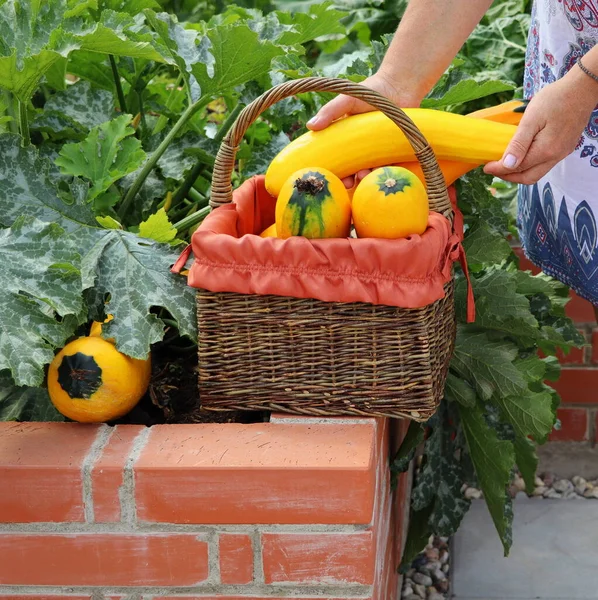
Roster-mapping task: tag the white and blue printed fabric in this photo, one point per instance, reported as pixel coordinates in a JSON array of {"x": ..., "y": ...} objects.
[{"x": 557, "y": 216}]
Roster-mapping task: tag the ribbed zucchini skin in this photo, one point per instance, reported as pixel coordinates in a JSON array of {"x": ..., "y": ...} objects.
[{"x": 371, "y": 140}]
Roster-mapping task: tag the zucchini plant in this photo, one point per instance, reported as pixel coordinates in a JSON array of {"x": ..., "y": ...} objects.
[{"x": 110, "y": 118}]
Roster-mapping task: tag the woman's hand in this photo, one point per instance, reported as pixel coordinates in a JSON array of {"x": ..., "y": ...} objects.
[
  {"x": 549, "y": 130},
  {"x": 347, "y": 105}
]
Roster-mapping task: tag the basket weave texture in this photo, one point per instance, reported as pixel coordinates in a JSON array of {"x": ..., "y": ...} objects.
[{"x": 310, "y": 357}]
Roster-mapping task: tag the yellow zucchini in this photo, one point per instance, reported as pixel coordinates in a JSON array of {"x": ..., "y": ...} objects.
[
  {"x": 451, "y": 170},
  {"x": 371, "y": 140},
  {"x": 508, "y": 112}
]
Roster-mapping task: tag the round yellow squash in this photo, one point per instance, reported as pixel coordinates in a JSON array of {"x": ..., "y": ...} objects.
[
  {"x": 390, "y": 202},
  {"x": 96, "y": 328},
  {"x": 90, "y": 381},
  {"x": 313, "y": 203}
]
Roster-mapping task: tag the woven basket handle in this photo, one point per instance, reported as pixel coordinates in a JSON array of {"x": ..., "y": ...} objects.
[{"x": 222, "y": 191}]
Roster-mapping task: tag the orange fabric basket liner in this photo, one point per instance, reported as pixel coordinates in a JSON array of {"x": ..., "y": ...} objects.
[{"x": 231, "y": 257}]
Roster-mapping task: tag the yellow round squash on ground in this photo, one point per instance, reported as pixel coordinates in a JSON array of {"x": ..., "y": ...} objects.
[
  {"x": 390, "y": 202},
  {"x": 313, "y": 203},
  {"x": 96, "y": 328},
  {"x": 90, "y": 381}
]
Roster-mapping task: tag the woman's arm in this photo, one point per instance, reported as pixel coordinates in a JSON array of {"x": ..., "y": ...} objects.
[
  {"x": 428, "y": 38},
  {"x": 552, "y": 125}
]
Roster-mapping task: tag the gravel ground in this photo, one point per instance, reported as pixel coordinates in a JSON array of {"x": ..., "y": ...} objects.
[
  {"x": 549, "y": 485},
  {"x": 429, "y": 575},
  {"x": 429, "y": 572}
]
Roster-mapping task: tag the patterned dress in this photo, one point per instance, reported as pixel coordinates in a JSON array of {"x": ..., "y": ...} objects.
[{"x": 557, "y": 216}]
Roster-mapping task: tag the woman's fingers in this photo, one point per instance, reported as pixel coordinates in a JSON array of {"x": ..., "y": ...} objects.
[
  {"x": 531, "y": 175},
  {"x": 335, "y": 109},
  {"x": 349, "y": 182},
  {"x": 517, "y": 151},
  {"x": 353, "y": 180}
]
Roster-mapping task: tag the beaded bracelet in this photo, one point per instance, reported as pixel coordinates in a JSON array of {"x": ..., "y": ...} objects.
[{"x": 586, "y": 71}]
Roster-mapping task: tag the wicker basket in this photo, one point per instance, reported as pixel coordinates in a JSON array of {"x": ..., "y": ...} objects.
[{"x": 310, "y": 357}]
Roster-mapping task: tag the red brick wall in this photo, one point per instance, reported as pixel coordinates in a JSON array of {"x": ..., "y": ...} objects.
[
  {"x": 578, "y": 385},
  {"x": 294, "y": 508}
]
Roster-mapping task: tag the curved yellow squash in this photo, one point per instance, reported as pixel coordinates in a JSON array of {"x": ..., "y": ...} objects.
[
  {"x": 508, "y": 112},
  {"x": 371, "y": 140}
]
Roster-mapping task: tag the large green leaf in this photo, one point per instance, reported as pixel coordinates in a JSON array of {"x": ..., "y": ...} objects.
[
  {"x": 484, "y": 248},
  {"x": 439, "y": 482},
  {"x": 135, "y": 274},
  {"x": 21, "y": 403},
  {"x": 530, "y": 413},
  {"x": 458, "y": 88},
  {"x": 269, "y": 27},
  {"x": 500, "y": 45},
  {"x": 529, "y": 284},
  {"x": 353, "y": 63},
  {"x": 238, "y": 56},
  {"x": 479, "y": 205},
  {"x": 39, "y": 267},
  {"x": 527, "y": 461},
  {"x": 179, "y": 157},
  {"x": 86, "y": 106},
  {"x": 533, "y": 368},
  {"x": 27, "y": 188},
  {"x": 259, "y": 161},
  {"x": 493, "y": 460},
  {"x": 26, "y": 53},
  {"x": 58, "y": 125},
  {"x": 500, "y": 307},
  {"x": 321, "y": 20},
  {"x": 35, "y": 35},
  {"x": 459, "y": 390},
  {"x": 93, "y": 67},
  {"x": 179, "y": 47},
  {"x": 488, "y": 365},
  {"x": 114, "y": 33},
  {"x": 107, "y": 154},
  {"x": 133, "y": 7}
]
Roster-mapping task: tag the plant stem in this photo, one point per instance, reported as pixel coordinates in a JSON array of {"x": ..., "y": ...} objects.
[
  {"x": 10, "y": 110},
  {"x": 142, "y": 112},
  {"x": 187, "y": 184},
  {"x": 196, "y": 170},
  {"x": 228, "y": 123},
  {"x": 24, "y": 124},
  {"x": 119, "y": 88},
  {"x": 193, "y": 219},
  {"x": 194, "y": 195},
  {"x": 163, "y": 120},
  {"x": 155, "y": 156}
]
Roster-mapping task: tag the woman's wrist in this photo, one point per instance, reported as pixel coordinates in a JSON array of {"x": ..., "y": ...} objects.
[
  {"x": 408, "y": 88},
  {"x": 584, "y": 77},
  {"x": 583, "y": 87}
]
